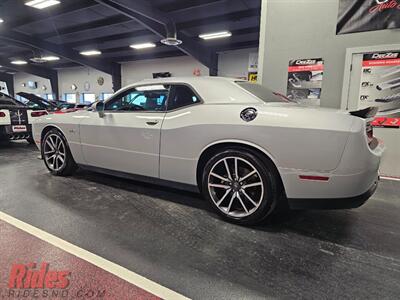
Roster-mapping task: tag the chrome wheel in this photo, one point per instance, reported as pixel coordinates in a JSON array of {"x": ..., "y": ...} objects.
[
  {"x": 54, "y": 152},
  {"x": 235, "y": 186}
]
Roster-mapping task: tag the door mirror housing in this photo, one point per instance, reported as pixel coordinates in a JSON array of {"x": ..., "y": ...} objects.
[{"x": 100, "y": 108}]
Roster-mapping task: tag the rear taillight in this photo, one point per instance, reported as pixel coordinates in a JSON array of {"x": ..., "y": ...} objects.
[
  {"x": 2, "y": 114},
  {"x": 36, "y": 114}
]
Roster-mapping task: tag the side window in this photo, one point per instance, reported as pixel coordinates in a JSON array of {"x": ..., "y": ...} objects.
[
  {"x": 145, "y": 98},
  {"x": 181, "y": 95}
]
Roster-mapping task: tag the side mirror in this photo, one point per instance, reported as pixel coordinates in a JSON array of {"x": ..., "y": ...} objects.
[{"x": 100, "y": 108}]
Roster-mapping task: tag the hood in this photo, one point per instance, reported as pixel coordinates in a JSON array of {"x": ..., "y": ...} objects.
[{"x": 37, "y": 100}]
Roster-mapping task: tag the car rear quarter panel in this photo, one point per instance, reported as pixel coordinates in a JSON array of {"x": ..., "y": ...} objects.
[{"x": 294, "y": 138}]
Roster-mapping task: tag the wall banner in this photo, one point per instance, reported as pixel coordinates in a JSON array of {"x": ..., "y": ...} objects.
[
  {"x": 367, "y": 15},
  {"x": 380, "y": 86},
  {"x": 305, "y": 80}
]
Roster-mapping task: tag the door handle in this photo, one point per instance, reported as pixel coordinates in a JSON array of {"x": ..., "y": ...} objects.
[{"x": 152, "y": 123}]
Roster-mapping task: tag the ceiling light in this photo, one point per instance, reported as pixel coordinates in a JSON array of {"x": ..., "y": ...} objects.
[
  {"x": 90, "y": 52},
  {"x": 40, "y": 4},
  {"x": 1, "y": 20},
  {"x": 19, "y": 62},
  {"x": 215, "y": 35},
  {"x": 50, "y": 58},
  {"x": 171, "y": 41},
  {"x": 143, "y": 46}
]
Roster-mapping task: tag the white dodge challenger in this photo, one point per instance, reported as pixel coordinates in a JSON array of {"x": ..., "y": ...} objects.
[{"x": 246, "y": 149}]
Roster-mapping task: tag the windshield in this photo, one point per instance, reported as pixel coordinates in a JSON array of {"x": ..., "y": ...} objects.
[{"x": 262, "y": 92}]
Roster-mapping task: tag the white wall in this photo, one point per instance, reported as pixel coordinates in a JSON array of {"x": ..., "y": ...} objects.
[
  {"x": 21, "y": 78},
  {"x": 78, "y": 76},
  {"x": 293, "y": 29},
  {"x": 178, "y": 66},
  {"x": 234, "y": 63}
]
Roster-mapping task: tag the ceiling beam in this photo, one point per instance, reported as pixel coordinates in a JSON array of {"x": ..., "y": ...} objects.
[
  {"x": 179, "y": 6},
  {"x": 110, "y": 21},
  {"x": 70, "y": 54},
  {"x": 181, "y": 26},
  {"x": 157, "y": 22},
  {"x": 35, "y": 15},
  {"x": 109, "y": 38},
  {"x": 30, "y": 69}
]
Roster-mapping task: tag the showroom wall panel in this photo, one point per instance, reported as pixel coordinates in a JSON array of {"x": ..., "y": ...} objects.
[
  {"x": 81, "y": 75},
  {"x": 234, "y": 63},
  {"x": 23, "y": 78},
  {"x": 177, "y": 66},
  {"x": 307, "y": 29}
]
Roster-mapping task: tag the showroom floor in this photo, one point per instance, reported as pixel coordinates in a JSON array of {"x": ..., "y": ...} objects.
[{"x": 172, "y": 238}]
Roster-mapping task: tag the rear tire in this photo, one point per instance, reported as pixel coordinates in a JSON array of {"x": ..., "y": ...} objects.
[
  {"x": 57, "y": 155},
  {"x": 241, "y": 185}
]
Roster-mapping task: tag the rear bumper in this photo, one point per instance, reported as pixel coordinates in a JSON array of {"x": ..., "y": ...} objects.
[
  {"x": 336, "y": 203},
  {"x": 6, "y": 133}
]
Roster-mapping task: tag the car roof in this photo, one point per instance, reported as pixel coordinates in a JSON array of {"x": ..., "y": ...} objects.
[{"x": 213, "y": 90}]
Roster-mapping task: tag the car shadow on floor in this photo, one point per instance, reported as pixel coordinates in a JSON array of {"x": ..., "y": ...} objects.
[{"x": 329, "y": 225}]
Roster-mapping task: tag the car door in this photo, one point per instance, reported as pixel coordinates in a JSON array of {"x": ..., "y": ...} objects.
[
  {"x": 126, "y": 137},
  {"x": 179, "y": 136}
]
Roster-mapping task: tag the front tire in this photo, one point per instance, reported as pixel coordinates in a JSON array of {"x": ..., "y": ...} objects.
[
  {"x": 57, "y": 155},
  {"x": 241, "y": 186}
]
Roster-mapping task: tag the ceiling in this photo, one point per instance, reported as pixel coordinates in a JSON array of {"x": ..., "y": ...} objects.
[{"x": 87, "y": 24}]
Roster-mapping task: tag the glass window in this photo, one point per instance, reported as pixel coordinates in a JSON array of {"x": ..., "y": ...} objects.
[
  {"x": 145, "y": 98},
  {"x": 49, "y": 96},
  {"x": 107, "y": 95},
  {"x": 262, "y": 92},
  {"x": 70, "y": 98},
  {"x": 89, "y": 98},
  {"x": 182, "y": 95}
]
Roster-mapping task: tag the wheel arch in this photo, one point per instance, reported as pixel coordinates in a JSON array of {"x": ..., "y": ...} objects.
[
  {"x": 47, "y": 128},
  {"x": 215, "y": 147}
]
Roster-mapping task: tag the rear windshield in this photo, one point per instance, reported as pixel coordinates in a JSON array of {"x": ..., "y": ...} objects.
[{"x": 262, "y": 92}]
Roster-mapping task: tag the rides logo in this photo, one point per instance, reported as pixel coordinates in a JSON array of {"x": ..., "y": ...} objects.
[
  {"x": 29, "y": 276},
  {"x": 383, "y": 5},
  {"x": 367, "y": 15}
]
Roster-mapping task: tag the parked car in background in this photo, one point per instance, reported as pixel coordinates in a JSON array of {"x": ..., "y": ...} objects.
[
  {"x": 16, "y": 119},
  {"x": 244, "y": 147},
  {"x": 35, "y": 102}
]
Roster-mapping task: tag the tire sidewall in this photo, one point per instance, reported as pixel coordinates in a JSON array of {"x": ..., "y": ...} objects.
[
  {"x": 269, "y": 200},
  {"x": 67, "y": 152}
]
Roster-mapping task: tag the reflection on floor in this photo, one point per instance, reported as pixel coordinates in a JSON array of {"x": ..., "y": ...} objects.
[{"x": 173, "y": 238}]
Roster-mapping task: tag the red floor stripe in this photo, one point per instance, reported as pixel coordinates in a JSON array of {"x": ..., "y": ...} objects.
[{"x": 33, "y": 269}]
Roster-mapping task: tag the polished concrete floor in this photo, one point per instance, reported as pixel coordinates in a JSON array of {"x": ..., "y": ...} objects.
[{"x": 172, "y": 237}]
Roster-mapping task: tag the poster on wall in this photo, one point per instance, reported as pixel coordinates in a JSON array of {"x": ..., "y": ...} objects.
[
  {"x": 252, "y": 68},
  {"x": 367, "y": 15},
  {"x": 305, "y": 80},
  {"x": 380, "y": 86}
]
